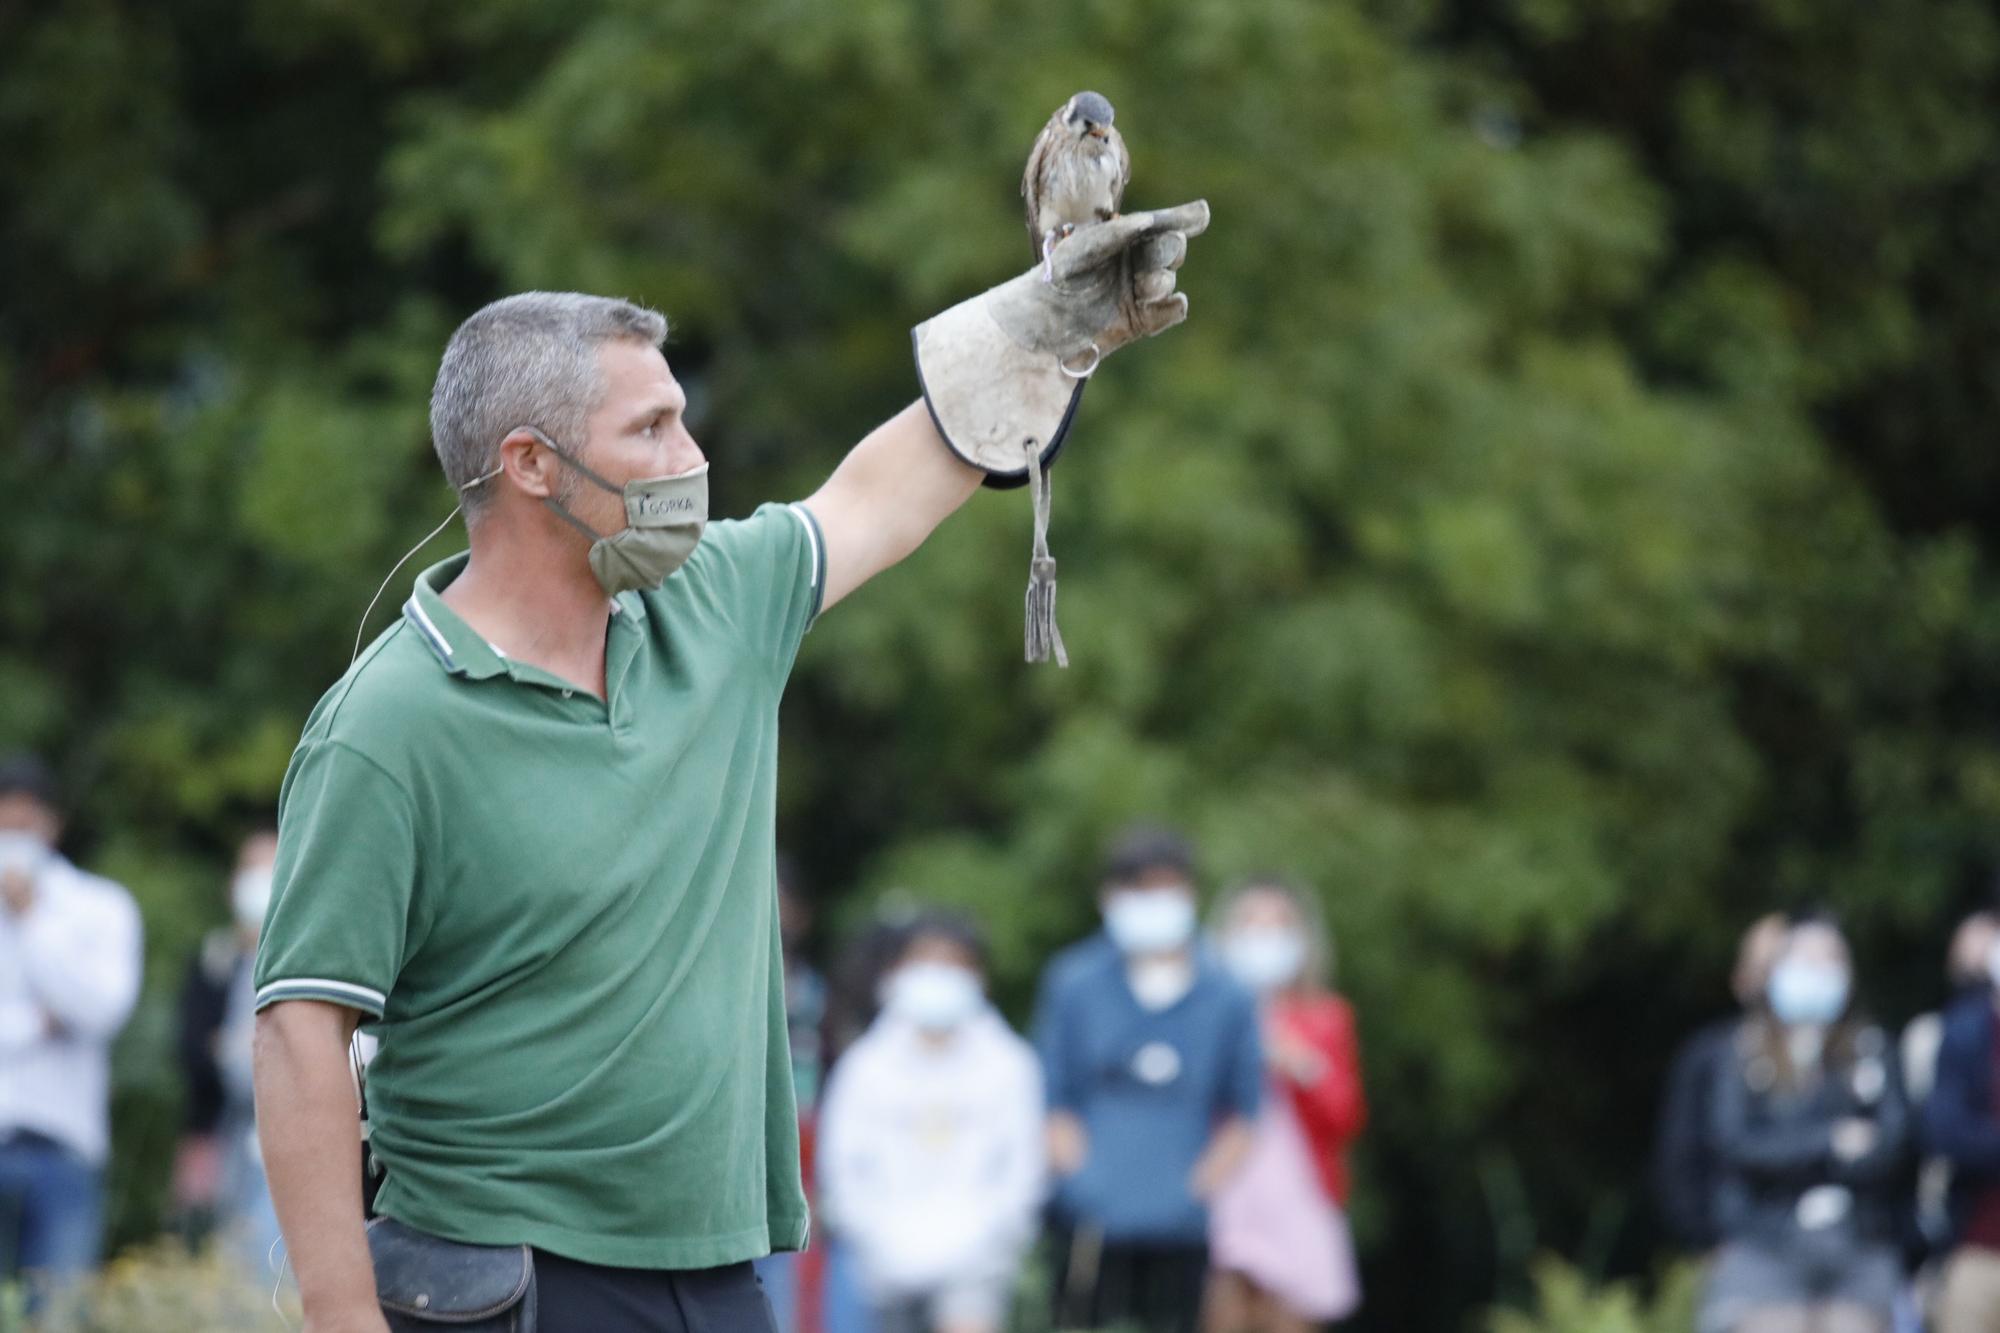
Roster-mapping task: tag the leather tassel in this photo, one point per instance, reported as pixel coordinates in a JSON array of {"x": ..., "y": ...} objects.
[{"x": 1041, "y": 639}]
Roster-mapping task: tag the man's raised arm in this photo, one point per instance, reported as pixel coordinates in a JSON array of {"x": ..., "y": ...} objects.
[{"x": 886, "y": 497}]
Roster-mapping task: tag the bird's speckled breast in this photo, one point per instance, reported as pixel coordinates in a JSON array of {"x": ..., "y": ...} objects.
[{"x": 1081, "y": 185}]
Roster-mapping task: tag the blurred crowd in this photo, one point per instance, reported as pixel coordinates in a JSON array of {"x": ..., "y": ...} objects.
[
  {"x": 1169, "y": 1142},
  {"x": 1165, "y": 1148},
  {"x": 1838, "y": 1176}
]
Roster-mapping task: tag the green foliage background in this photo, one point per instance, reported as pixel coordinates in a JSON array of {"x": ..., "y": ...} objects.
[{"x": 1565, "y": 527}]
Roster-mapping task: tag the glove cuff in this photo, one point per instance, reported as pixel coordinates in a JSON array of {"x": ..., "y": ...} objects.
[{"x": 988, "y": 395}]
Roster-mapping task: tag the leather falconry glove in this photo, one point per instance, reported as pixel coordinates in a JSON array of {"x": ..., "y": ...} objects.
[{"x": 1003, "y": 372}]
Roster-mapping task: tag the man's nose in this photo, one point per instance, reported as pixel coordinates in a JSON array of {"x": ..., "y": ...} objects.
[{"x": 687, "y": 455}]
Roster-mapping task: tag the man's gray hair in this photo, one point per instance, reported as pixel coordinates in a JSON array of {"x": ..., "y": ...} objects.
[{"x": 526, "y": 360}]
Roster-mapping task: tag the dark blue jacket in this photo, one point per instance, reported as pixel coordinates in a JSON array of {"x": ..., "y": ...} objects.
[
  {"x": 1151, "y": 1087},
  {"x": 1959, "y": 1121},
  {"x": 1684, "y": 1162},
  {"x": 1775, "y": 1145}
]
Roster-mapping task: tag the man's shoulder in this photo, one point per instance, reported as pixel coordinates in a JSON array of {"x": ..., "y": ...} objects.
[
  {"x": 729, "y": 540},
  {"x": 767, "y": 543},
  {"x": 380, "y": 700},
  {"x": 1082, "y": 966}
]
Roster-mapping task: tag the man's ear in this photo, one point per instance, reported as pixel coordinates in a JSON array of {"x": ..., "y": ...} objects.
[{"x": 529, "y": 463}]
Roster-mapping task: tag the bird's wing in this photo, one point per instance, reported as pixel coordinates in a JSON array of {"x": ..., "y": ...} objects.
[
  {"x": 1124, "y": 166},
  {"x": 1031, "y": 180}
]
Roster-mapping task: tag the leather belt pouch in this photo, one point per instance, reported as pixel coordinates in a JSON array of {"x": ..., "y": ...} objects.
[{"x": 427, "y": 1284}]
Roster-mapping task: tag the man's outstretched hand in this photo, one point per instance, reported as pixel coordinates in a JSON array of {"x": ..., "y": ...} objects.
[
  {"x": 1000, "y": 371},
  {"x": 1106, "y": 285}
]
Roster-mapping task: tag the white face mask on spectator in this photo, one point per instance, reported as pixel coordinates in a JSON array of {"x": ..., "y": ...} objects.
[
  {"x": 1264, "y": 958},
  {"x": 935, "y": 996},
  {"x": 21, "y": 852},
  {"x": 1150, "y": 920},
  {"x": 1805, "y": 993},
  {"x": 249, "y": 896}
]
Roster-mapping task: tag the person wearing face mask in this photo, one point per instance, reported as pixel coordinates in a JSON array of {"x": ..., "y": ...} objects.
[
  {"x": 1684, "y": 1162},
  {"x": 69, "y": 974},
  {"x": 1278, "y": 1238},
  {"x": 529, "y": 836},
  {"x": 1151, "y": 1055},
  {"x": 1961, "y": 1126},
  {"x": 930, "y": 1164},
  {"x": 1932, "y": 1228},
  {"x": 1809, "y": 1123},
  {"x": 218, "y": 1181}
]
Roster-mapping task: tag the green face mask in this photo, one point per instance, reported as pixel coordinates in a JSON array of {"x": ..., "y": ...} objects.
[{"x": 664, "y": 517}]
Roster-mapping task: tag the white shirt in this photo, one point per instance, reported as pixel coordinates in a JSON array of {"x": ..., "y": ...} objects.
[
  {"x": 69, "y": 974},
  {"x": 931, "y": 1160}
]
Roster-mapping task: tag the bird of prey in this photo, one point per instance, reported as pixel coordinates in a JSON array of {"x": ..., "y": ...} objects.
[{"x": 1076, "y": 173}]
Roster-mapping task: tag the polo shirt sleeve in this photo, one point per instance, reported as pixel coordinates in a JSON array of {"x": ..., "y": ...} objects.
[
  {"x": 768, "y": 575},
  {"x": 344, "y": 883}
]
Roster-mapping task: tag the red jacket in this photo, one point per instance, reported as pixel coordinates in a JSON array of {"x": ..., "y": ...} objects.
[{"x": 1330, "y": 1107}]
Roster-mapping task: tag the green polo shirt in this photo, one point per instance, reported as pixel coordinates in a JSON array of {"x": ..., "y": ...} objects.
[{"x": 560, "y": 913}]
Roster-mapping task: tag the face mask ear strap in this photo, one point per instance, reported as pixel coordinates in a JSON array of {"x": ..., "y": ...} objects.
[
  {"x": 362, "y": 628},
  {"x": 560, "y": 512},
  {"x": 556, "y": 506},
  {"x": 576, "y": 463}
]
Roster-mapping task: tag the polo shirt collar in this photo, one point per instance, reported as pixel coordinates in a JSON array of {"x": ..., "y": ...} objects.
[{"x": 458, "y": 647}]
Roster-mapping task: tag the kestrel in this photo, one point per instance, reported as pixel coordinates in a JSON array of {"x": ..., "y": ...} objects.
[{"x": 1076, "y": 173}]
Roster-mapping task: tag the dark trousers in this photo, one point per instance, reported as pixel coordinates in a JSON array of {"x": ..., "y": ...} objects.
[
  {"x": 575, "y": 1297},
  {"x": 1100, "y": 1282}
]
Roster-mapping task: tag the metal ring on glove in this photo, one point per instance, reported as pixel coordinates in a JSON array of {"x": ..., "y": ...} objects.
[{"x": 1084, "y": 374}]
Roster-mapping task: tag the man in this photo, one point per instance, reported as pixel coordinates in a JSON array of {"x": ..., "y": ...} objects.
[
  {"x": 218, "y": 1177},
  {"x": 69, "y": 974},
  {"x": 1961, "y": 1124},
  {"x": 530, "y": 834},
  {"x": 1154, "y": 1072},
  {"x": 1684, "y": 1165}
]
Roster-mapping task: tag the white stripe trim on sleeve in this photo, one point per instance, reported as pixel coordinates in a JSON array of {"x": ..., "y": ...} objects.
[
  {"x": 812, "y": 541},
  {"x": 275, "y": 990}
]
